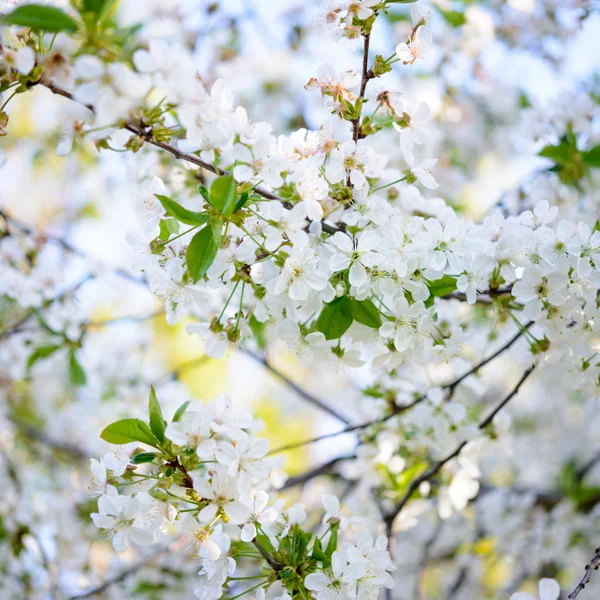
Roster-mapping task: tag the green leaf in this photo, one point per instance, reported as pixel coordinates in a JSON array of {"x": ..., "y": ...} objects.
[
  {"x": 335, "y": 318},
  {"x": 202, "y": 189},
  {"x": 258, "y": 329},
  {"x": 223, "y": 194},
  {"x": 39, "y": 353},
  {"x": 157, "y": 422},
  {"x": 41, "y": 18},
  {"x": 365, "y": 312},
  {"x": 182, "y": 214},
  {"x": 76, "y": 372},
  {"x": 168, "y": 227},
  {"x": 265, "y": 542},
  {"x": 129, "y": 430},
  {"x": 179, "y": 412},
  {"x": 453, "y": 17},
  {"x": 332, "y": 544},
  {"x": 240, "y": 203},
  {"x": 561, "y": 154},
  {"x": 143, "y": 457},
  {"x": 592, "y": 157},
  {"x": 442, "y": 287},
  {"x": 317, "y": 552},
  {"x": 202, "y": 252}
]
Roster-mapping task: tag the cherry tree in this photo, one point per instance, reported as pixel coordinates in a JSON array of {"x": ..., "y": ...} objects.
[{"x": 298, "y": 189}]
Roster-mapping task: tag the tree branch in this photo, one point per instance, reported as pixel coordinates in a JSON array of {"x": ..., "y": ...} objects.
[
  {"x": 593, "y": 566},
  {"x": 316, "y": 472},
  {"x": 400, "y": 409},
  {"x": 300, "y": 391},
  {"x": 145, "y": 133}
]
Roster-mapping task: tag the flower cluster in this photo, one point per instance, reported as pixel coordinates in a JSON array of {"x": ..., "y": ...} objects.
[{"x": 205, "y": 475}]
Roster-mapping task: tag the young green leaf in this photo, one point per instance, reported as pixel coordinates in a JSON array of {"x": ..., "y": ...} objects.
[
  {"x": 129, "y": 430},
  {"x": 242, "y": 200},
  {"x": 179, "y": 412},
  {"x": 157, "y": 422},
  {"x": 39, "y": 353},
  {"x": 592, "y": 157},
  {"x": 223, "y": 194},
  {"x": 265, "y": 542},
  {"x": 335, "y": 318},
  {"x": 561, "y": 154},
  {"x": 182, "y": 214},
  {"x": 100, "y": 8},
  {"x": 318, "y": 554},
  {"x": 442, "y": 287},
  {"x": 202, "y": 252},
  {"x": 365, "y": 312},
  {"x": 167, "y": 228},
  {"x": 143, "y": 457},
  {"x": 40, "y": 17},
  {"x": 76, "y": 372},
  {"x": 204, "y": 192},
  {"x": 332, "y": 544}
]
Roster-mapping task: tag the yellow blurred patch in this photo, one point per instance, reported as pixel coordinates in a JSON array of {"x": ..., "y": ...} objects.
[{"x": 204, "y": 376}]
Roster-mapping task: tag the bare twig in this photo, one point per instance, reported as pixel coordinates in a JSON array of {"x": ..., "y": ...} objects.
[
  {"x": 593, "y": 566},
  {"x": 323, "y": 469},
  {"x": 294, "y": 386},
  {"x": 400, "y": 409},
  {"x": 121, "y": 576}
]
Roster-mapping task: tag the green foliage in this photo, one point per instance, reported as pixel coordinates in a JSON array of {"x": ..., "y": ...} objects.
[
  {"x": 76, "y": 373},
  {"x": 129, "y": 430},
  {"x": 442, "y": 287},
  {"x": 41, "y": 18},
  {"x": 182, "y": 214},
  {"x": 335, "y": 318},
  {"x": 570, "y": 163},
  {"x": 592, "y": 157},
  {"x": 143, "y": 457},
  {"x": 365, "y": 312},
  {"x": 157, "y": 422},
  {"x": 222, "y": 195},
  {"x": 571, "y": 484},
  {"x": 453, "y": 17},
  {"x": 179, "y": 412},
  {"x": 167, "y": 228},
  {"x": 98, "y": 8},
  {"x": 202, "y": 250},
  {"x": 40, "y": 353}
]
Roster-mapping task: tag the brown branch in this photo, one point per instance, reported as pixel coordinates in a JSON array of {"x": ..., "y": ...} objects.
[
  {"x": 145, "y": 133},
  {"x": 41, "y": 436},
  {"x": 67, "y": 246},
  {"x": 323, "y": 469},
  {"x": 121, "y": 576},
  {"x": 593, "y": 566},
  {"x": 366, "y": 75}
]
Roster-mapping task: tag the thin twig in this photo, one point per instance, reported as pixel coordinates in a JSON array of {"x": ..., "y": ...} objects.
[
  {"x": 323, "y": 469},
  {"x": 294, "y": 386},
  {"x": 400, "y": 409},
  {"x": 593, "y": 566},
  {"x": 145, "y": 133},
  {"x": 121, "y": 576}
]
